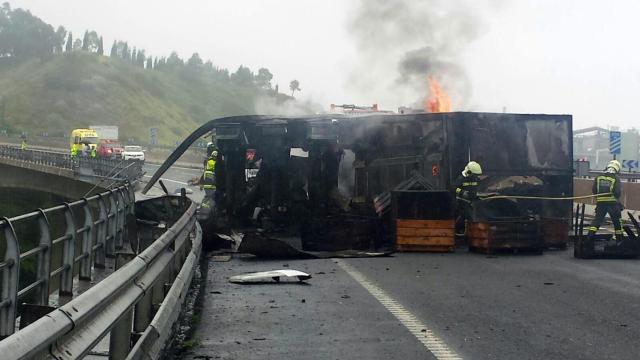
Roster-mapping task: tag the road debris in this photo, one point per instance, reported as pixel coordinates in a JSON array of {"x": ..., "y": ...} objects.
[{"x": 269, "y": 276}]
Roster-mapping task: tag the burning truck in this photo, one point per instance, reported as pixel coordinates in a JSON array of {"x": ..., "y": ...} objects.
[{"x": 330, "y": 183}]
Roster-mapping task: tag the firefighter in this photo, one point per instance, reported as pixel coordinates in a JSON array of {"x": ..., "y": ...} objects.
[
  {"x": 466, "y": 192},
  {"x": 23, "y": 143},
  {"x": 607, "y": 188},
  {"x": 93, "y": 152},
  {"x": 74, "y": 151},
  {"x": 207, "y": 181}
]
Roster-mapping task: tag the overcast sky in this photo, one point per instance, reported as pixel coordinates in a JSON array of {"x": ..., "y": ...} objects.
[{"x": 576, "y": 57}]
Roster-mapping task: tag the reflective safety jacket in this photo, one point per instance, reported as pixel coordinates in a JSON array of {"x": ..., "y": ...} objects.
[
  {"x": 208, "y": 177},
  {"x": 467, "y": 188},
  {"x": 609, "y": 186}
]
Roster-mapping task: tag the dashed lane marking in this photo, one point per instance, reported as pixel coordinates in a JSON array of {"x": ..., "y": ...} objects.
[{"x": 430, "y": 341}]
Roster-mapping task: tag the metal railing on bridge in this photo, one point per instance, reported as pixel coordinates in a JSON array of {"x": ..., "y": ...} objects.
[
  {"x": 113, "y": 169},
  {"x": 133, "y": 305},
  {"x": 81, "y": 231}
]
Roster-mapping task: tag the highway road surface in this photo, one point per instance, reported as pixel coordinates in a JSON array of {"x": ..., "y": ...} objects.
[
  {"x": 175, "y": 178},
  {"x": 425, "y": 306},
  {"x": 420, "y": 306}
]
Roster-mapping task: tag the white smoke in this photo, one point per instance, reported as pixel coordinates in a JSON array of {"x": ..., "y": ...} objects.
[{"x": 270, "y": 105}]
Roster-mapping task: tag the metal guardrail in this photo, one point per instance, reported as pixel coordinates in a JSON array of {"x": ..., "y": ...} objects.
[
  {"x": 114, "y": 169},
  {"x": 96, "y": 226},
  {"x": 121, "y": 305}
]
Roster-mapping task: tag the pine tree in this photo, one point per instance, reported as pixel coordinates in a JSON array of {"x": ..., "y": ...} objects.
[
  {"x": 69, "y": 45},
  {"x": 100, "y": 47},
  {"x": 141, "y": 58},
  {"x": 134, "y": 56},
  {"x": 125, "y": 52},
  {"x": 85, "y": 41},
  {"x": 114, "y": 49},
  {"x": 149, "y": 63}
]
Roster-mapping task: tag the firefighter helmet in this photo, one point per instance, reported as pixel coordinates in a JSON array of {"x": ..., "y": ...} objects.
[
  {"x": 613, "y": 167},
  {"x": 472, "y": 168},
  {"x": 214, "y": 154},
  {"x": 210, "y": 147}
]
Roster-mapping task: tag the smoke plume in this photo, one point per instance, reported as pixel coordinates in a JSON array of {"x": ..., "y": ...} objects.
[
  {"x": 285, "y": 106},
  {"x": 401, "y": 42}
]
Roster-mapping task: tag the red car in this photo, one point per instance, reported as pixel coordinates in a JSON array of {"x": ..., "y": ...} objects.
[{"x": 110, "y": 149}]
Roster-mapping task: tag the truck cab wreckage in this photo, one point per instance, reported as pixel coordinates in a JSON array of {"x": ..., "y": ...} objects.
[{"x": 331, "y": 183}]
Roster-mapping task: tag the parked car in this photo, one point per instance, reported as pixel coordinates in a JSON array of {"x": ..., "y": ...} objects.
[
  {"x": 133, "y": 152},
  {"x": 110, "y": 149}
]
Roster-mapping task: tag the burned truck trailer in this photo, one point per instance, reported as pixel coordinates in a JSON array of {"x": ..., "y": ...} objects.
[
  {"x": 522, "y": 155},
  {"x": 328, "y": 180}
]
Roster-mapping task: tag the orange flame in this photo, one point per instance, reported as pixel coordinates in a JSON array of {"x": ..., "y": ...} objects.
[{"x": 437, "y": 100}]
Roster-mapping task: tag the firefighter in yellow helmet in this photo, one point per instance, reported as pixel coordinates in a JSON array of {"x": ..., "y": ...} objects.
[
  {"x": 607, "y": 188},
  {"x": 466, "y": 189},
  {"x": 208, "y": 178}
]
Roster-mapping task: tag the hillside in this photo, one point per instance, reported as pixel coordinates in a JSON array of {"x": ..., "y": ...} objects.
[{"x": 78, "y": 89}]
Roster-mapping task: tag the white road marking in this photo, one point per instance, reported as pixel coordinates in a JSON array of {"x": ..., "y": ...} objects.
[
  {"x": 430, "y": 341},
  {"x": 175, "y": 167},
  {"x": 169, "y": 180}
]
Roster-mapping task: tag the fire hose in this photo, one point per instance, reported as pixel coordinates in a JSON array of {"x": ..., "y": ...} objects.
[{"x": 516, "y": 197}]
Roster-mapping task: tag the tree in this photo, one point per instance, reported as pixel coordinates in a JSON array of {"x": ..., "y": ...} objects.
[
  {"x": 174, "y": 60},
  {"x": 161, "y": 64},
  {"x": 134, "y": 55},
  {"x": 263, "y": 78},
  {"x": 100, "y": 47},
  {"x": 125, "y": 52},
  {"x": 61, "y": 34},
  {"x": 85, "y": 41},
  {"x": 69, "y": 44},
  {"x": 149, "y": 63},
  {"x": 194, "y": 61},
  {"x": 243, "y": 76},
  {"x": 140, "y": 58},
  {"x": 24, "y": 36},
  {"x": 114, "y": 50},
  {"x": 294, "y": 86},
  {"x": 77, "y": 44}
]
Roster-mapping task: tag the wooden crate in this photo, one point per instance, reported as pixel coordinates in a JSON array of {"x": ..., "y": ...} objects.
[
  {"x": 555, "y": 233},
  {"x": 510, "y": 236},
  {"x": 425, "y": 235}
]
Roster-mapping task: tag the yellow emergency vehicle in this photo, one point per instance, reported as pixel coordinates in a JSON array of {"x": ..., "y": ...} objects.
[{"x": 82, "y": 137}]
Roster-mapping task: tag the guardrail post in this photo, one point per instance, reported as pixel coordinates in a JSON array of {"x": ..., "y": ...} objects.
[
  {"x": 87, "y": 242},
  {"x": 101, "y": 233},
  {"x": 132, "y": 194},
  {"x": 142, "y": 314},
  {"x": 68, "y": 253},
  {"x": 120, "y": 220},
  {"x": 10, "y": 281},
  {"x": 120, "y": 337},
  {"x": 113, "y": 225},
  {"x": 44, "y": 259}
]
